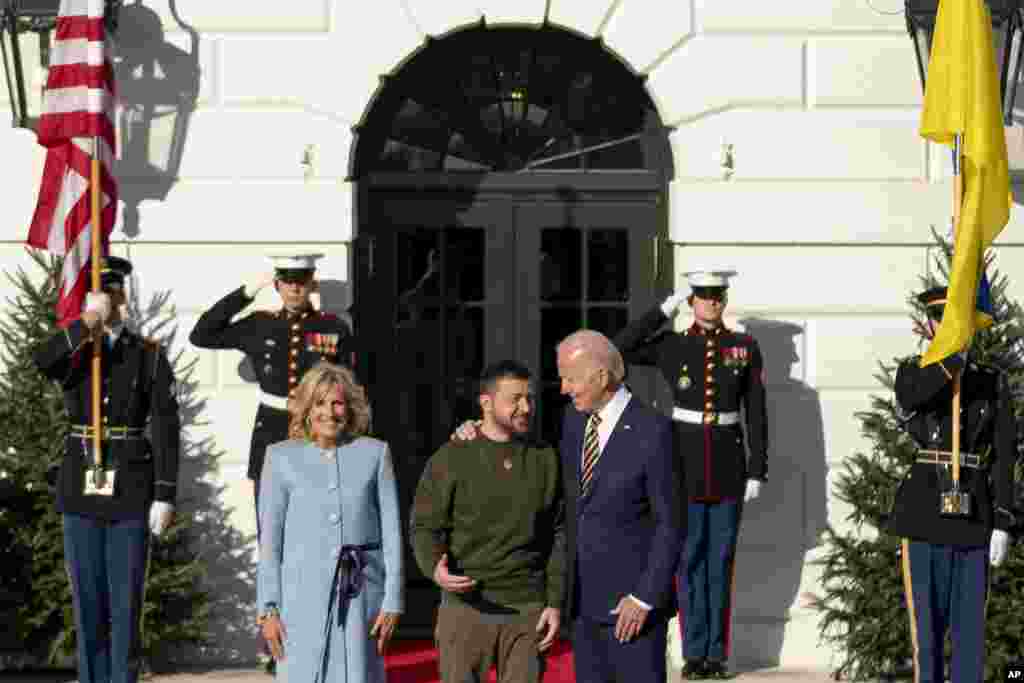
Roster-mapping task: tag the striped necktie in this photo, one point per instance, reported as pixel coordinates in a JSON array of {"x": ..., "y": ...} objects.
[{"x": 591, "y": 453}]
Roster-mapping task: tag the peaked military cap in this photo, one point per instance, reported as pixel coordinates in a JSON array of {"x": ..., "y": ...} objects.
[
  {"x": 706, "y": 283},
  {"x": 936, "y": 296},
  {"x": 113, "y": 271},
  {"x": 294, "y": 267}
]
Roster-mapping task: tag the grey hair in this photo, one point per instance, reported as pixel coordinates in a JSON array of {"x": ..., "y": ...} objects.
[{"x": 600, "y": 349}]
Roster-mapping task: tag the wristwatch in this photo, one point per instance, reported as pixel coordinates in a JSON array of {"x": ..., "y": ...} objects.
[{"x": 269, "y": 611}]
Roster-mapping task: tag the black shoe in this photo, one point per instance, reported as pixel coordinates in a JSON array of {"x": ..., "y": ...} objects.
[
  {"x": 267, "y": 663},
  {"x": 694, "y": 670},
  {"x": 717, "y": 671}
]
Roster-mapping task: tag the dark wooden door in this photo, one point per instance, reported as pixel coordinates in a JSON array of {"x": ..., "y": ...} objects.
[{"x": 445, "y": 286}]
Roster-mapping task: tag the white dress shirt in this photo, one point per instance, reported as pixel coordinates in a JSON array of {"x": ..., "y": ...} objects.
[{"x": 610, "y": 414}]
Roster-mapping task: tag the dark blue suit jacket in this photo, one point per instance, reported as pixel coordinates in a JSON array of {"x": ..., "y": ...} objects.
[{"x": 626, "y": 535}]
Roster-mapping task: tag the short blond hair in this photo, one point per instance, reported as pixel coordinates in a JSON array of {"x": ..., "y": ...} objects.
[
  {"x": 599, "y": 348},
  {"x": 317, "y": 381}
]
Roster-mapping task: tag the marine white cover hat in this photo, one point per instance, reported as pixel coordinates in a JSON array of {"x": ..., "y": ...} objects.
[
  {"x": 294, "y": 261},
  {"x": 709, "y": 278}
]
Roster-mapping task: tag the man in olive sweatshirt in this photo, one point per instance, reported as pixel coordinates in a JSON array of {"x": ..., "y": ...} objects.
[{"x": 488, "y": 523}]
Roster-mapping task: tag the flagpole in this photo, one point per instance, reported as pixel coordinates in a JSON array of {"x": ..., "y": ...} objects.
[
  {"x": 94, "y": 259},
  {"x": 958, "y": 193}
]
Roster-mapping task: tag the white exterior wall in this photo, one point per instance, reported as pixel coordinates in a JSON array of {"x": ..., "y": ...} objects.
[{"x": 826, "y": 216}]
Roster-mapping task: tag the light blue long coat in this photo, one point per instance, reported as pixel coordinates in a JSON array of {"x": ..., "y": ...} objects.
[{"x": 311, "y": 505}]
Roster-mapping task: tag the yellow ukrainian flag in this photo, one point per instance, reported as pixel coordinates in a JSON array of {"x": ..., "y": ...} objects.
[{"x": 962, "y": 96}]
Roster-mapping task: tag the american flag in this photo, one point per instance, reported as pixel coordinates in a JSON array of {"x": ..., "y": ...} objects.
[{"x": 78, "y": 107}]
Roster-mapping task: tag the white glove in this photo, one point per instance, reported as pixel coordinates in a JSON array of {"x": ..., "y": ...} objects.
[
  {"x": 997, "y": 548},
  {"x": 160, "y": 514},
  {"x": 255, "y": 283},
  {"x": 672, "y": 303},
  {"x": 753, "y": 490},
  {"x": 98, "y": 303}
]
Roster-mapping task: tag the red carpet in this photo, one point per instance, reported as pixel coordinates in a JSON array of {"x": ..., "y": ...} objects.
[{"x": 415, "y": 661}]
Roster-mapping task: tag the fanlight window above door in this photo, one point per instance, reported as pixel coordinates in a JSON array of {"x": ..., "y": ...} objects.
[{"x": 511, "y": 99}]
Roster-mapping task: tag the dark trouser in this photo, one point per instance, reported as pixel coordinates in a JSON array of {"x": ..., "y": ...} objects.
[
  {"x": 599, "y": 658},
  {"x": 270, "y": 428},
  {"x": 469, "y": 642},
  {"x": 946, "y": 589},
  {"x": 704, "y": 579},
  {"x": 256, "y": 506},
  {"x": 106, "y": 562}
]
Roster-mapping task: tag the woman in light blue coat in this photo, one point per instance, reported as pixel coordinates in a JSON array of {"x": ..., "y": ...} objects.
[{"x": 330, "y": 572}]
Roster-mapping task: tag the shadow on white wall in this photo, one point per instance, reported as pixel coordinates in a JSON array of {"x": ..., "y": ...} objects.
[
  {"x": 158, "y": 85},
  {"x": 787, "y": 520}
]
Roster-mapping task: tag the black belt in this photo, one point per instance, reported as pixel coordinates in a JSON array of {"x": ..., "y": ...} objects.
[
  {"x": 108, "y": 433},
  {"x": 933, "y": 457}
]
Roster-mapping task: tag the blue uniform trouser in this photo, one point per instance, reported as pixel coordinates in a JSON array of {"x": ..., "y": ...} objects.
[
  {"x": 704, "y": 579},
  {"x": 946, "y": 589},
  {"x": 106, "y": 562}
]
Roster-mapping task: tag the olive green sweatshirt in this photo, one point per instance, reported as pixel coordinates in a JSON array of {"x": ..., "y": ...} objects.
[{"x": 497, "y": 509}]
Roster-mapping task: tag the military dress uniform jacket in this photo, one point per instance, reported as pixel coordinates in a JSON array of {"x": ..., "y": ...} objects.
[
  {"x": 281, "y": 348},
  {"x": 709, "y": 372},
  {"x": 987, "y": 429},
  {"x": 138, "y": 388}
]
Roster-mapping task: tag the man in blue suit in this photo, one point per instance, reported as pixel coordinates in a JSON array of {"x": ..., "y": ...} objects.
[{"x": 624, "y": 519}]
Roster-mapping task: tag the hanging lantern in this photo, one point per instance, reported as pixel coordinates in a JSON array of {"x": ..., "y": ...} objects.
[
  {"x": 1007, "y": 30},
  {"x": 26, "y": 34}
]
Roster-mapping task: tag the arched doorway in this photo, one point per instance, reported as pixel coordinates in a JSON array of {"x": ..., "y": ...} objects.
[{"x": 511, "y": 188}]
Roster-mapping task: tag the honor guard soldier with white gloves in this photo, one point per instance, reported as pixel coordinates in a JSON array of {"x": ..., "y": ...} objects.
[
  {"x": 109, "y": 512},
  {"x": 952, "y": 531},
  {"x": 713, "y": 371},
  {"x": 280, "y": 345}
]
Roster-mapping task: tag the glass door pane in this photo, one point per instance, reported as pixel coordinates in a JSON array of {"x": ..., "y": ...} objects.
[
  {"x": 438, "y": 334},
  {"x": 595, "y": 269}
]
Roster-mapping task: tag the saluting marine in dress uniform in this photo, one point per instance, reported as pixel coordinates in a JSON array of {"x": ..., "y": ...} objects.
[
  {"x": 105, "y": 526},
  {"x": 713, "y": 372},
  {"x": 281, "y": 345},
  {"x": 946, "y": 551}
]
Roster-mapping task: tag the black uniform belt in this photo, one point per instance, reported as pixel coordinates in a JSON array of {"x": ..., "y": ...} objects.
[
  {"x": 946, "y": 458},
  {"x": 107, "y": 433}
]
